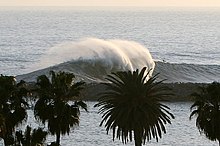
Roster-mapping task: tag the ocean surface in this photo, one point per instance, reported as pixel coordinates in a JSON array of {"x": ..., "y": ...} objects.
[
  {"x": 185, "y": 42},
  {"x": 182, "y": 131}
]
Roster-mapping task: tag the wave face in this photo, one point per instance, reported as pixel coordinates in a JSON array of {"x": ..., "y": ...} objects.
[
  {"x": 92, "y": 59},
  {"x": 96, "y": 71},
  {"x": 194, "y": 73}
]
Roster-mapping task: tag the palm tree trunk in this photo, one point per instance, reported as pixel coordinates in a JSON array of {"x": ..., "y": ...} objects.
[
  {"x": 137, "y": 138},
  {"x": 58, "y": 138}
]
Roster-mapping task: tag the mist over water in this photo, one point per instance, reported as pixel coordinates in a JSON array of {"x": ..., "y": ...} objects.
[{"x": 97, "y": 57}]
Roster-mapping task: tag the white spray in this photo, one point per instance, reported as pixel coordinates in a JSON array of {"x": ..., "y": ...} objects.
[{"x": 114, "y": 54}]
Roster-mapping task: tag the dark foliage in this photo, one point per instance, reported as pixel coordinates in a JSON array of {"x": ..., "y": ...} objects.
[
  {"x": 30, "y": 137},
  {"x": 131, "y": 107},
  {"x": 12, "y": 106},
  {"x": 53, "y": 107},
  {"x": 207, "y": 109}
]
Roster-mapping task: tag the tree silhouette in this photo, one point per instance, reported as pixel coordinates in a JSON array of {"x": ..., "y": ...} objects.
[
  {"x": 131, "y": 106},
  {"x": 53, "y": 106},
  {"x": 30, "y": 137},
  {"x": 12, "y": 106},
  {"x": 207, "y": 109}
]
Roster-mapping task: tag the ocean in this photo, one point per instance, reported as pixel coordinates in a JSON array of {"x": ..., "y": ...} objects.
[
  {"x": 184, "y": 42},
  {"x": 182, "y": 131}
]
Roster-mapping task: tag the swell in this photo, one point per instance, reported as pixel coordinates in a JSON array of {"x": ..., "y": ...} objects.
[
  {"x": 194, "y": 73},
  {"x": 95, "y": 71}
]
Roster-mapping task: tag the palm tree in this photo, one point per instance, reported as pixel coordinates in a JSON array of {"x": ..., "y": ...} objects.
[
  {"x": 131, "y": 106},
  {"x": 207, "y": 109},
  {"x": 30, "y": 137},
  {"x": 12, "y": 106},
  {"x": 53, "y": 106}
]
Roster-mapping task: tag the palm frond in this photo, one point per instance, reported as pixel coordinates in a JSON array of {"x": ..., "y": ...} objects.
[
  {"x": 52, "y": 106},
  {"x": 131, "y": 103},
  {"x": 207, "y": 108}
]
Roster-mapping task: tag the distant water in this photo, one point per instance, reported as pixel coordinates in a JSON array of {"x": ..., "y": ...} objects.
[{"x": 185, "y": 41}]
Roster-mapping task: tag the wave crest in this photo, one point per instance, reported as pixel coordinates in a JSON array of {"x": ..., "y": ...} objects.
[{"x": 94, "y": 58}]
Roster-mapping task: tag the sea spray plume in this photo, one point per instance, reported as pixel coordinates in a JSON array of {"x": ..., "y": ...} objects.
[{"x": 96, "y": 57}]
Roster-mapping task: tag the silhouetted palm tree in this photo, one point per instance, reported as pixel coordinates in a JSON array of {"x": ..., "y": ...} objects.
[
  {"x": 53, "y": 106},
  {"x": 131, "y": 106},
  {"x": 207, "y": 104},
  {"x": 30, "y": 137},
  {"x": 12, "y": 106}
]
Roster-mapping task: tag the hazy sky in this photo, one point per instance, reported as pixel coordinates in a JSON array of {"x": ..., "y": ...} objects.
[{"x": 159, "y": 3}]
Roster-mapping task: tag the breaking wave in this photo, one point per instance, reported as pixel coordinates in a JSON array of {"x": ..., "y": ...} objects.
[{"x": 92, "y": 59}]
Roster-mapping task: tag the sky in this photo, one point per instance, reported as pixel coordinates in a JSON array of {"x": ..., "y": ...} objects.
[{"x": 147, "y": 3}]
